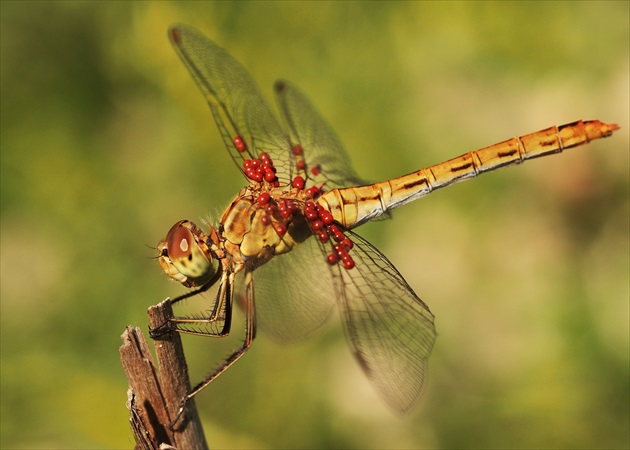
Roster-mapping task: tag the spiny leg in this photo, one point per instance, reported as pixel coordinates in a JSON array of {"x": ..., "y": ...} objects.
[
  {"x": 250, "y": 333},
  {"x": 171, "y": 325},
  {"x": 221, "y": 312},
  {"x": 203, "y": 288}
]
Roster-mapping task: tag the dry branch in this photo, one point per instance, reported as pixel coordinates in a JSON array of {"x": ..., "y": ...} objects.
[{"x": 154, "y": 395}]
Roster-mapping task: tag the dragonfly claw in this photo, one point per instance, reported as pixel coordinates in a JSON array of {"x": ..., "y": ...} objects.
[
  {"x": 180, "y": 411},
  {"x": 161, "y": 330}
]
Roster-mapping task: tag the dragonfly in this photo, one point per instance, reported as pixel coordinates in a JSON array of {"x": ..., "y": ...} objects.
[{"x": 285, "y": 247}]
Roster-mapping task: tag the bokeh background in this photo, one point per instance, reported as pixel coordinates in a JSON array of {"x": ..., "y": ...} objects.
[{"x": 106, "y": 142}]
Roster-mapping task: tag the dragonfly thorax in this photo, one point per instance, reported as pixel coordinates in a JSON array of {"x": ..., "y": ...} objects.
[
  {"x": 186, "y": 255},
  {"x": 260, "y": 226}
]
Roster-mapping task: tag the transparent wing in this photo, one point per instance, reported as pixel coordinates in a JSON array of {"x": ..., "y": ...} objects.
[
  {"x": 238, "y": 107},
  {"x": 294, "y": 293},
  {"x": 389, "y": 329},
  {"x": 326, "y": 160}
]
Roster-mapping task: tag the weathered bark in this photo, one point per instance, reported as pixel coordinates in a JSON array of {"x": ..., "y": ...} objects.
[{"x": 155, "y": 391}]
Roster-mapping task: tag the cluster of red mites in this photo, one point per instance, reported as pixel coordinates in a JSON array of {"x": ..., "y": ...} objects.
[
  {"x": 284, "y": 208},
  {"x": 299, "y": 182},
  {"x": 320, "y": 219},
  {"x": 261, "y": 168},
  {"x": 257, "y": 169},
  {"x": 300, "y": 164},
  {"x": 321, "y": 222}
]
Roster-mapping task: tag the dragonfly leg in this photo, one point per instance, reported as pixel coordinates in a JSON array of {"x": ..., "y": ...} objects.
[
  {"x": 201, "y": 289},
  {"x": 221, "y": 312},
  {"x": 171, "y": 325},
  {"x": 250, "y": 332}
]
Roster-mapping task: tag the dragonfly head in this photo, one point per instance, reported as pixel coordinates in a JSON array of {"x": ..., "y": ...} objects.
[{"x": 185, "y": 255}]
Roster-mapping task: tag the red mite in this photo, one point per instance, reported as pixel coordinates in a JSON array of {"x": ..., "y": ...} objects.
[
  {"x": 264, "y": 198},
  {"x": 312, "y": 192},
  {"x": 281, "y": 229},
  {"x": 239, "y": 144},
  {"x": 298, "y": 182}
]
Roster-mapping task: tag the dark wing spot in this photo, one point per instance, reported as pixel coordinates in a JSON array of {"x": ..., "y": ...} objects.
[{"x": 280, "y": 86}]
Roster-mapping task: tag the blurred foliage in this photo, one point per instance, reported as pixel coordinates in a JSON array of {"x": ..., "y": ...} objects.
[{"x": 105, "y": 142}]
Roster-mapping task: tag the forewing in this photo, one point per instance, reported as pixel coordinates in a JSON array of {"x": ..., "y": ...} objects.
[
  {"x": 326, "y": 160},
  {"x": 389, "y": 329},
  {"x": 294, "y": 294},
  {"x": 238, "y": 107}
]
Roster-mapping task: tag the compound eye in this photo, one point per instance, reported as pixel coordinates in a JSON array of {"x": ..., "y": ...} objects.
[
  {"x": 180, "y": 242},
  {"x": 184, "y": 255}
]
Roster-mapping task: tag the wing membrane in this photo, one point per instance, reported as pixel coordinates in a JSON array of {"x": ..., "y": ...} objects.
[
  {"x": 322, "y": 147},
  {"x": 390, "y": 330},
  {"x": 294, "y": 293},
  {"x": 238, "y": 107}
]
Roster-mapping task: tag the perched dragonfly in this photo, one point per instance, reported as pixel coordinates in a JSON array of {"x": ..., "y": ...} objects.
[{"x": 284, "y": 246}]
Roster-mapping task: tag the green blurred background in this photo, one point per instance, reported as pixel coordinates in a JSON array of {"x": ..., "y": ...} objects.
[{"x": 106, "y": 142}]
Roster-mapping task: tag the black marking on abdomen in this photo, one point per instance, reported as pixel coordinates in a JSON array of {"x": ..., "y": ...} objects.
[
  {"x": 413, "y": 184},
  {"x": 505, "y": 154},
  {"x": 568, "y": 125},
  {"x": 366, "y": 197},
  {"x": 462, "y": 167}
]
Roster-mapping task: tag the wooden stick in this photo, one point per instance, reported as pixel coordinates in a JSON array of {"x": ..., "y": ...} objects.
[{"x": 154, "y": 396}]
